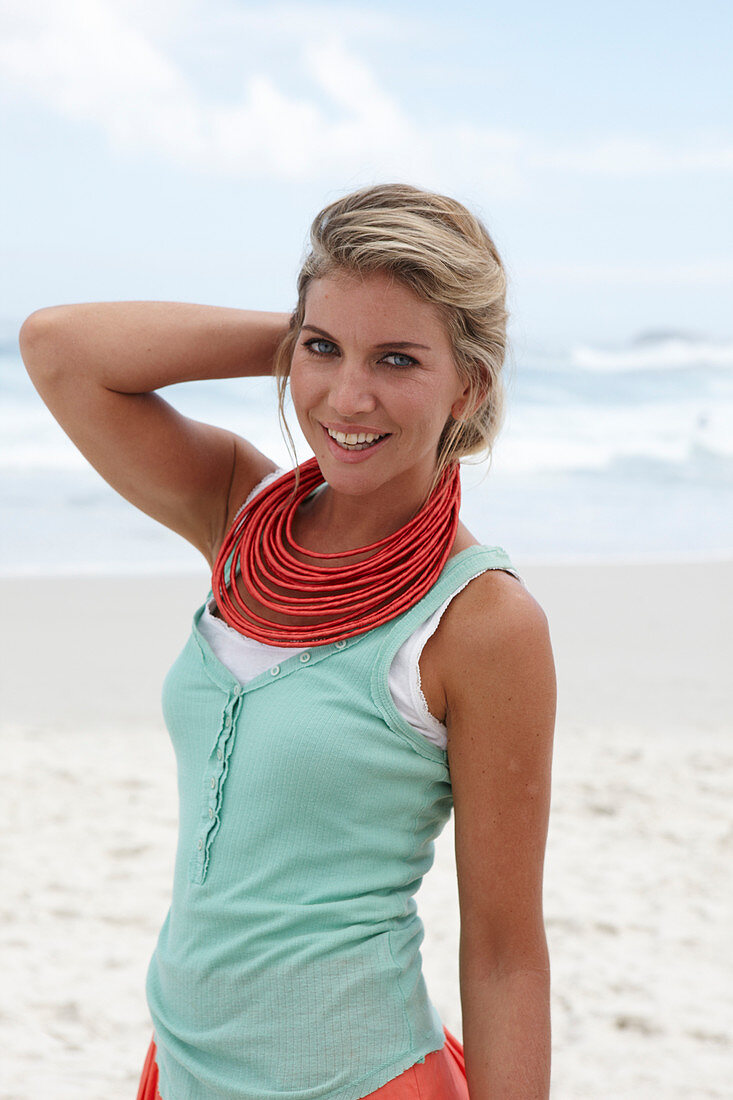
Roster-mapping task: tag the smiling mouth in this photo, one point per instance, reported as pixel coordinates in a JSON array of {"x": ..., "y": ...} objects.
[{"x": 360, "y": 441}]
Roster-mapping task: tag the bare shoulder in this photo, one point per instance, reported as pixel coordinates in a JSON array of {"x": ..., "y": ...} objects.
[
  {"x": 495, "y": 651},
  {"x": 493, "y": 610},
  {"x": 492, "y": 628},
  {"x": 249, "y": 467},
  {"x": 493, "y": 601}
]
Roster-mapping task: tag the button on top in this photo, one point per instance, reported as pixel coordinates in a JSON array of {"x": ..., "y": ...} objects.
[
  {"x": 341, "y": 644},
  {"x": 305, "y": 656},
  {"x": 274, "y": 670}
]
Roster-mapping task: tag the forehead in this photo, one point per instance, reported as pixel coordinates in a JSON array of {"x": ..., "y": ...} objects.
[{"x": 364, "y": 304}]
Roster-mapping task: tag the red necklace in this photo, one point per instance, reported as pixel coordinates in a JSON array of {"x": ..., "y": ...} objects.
[{"x": 398, "y": 572}]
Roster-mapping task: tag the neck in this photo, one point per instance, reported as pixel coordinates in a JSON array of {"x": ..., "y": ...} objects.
[{"x": 332, "y": 522}]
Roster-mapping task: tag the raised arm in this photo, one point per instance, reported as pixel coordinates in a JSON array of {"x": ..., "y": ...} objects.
[
  {"x": 97, "y": 365},
  {"x": 500, "y": 694}
]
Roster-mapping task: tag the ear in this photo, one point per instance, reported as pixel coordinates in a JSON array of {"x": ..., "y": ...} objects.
[{"x": 471, "y": 399}]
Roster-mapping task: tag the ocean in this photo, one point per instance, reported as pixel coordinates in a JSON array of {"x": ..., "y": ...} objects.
[{"x": 607, "y": 454}]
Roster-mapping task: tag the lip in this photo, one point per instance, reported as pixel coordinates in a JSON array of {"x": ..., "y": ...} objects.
[{"x": 352, "y": 456}]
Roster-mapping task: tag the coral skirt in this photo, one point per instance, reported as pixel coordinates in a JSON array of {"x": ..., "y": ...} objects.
[{"x": 442, "y": 1076}]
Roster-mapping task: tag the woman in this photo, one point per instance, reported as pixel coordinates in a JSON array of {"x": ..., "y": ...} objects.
[{"x": 361, "y": 667}]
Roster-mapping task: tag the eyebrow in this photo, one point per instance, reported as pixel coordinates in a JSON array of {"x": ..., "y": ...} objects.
[{"x": 388, "y": 344}]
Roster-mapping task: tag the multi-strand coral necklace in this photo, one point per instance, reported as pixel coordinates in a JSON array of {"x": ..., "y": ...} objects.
[{"x": 339, "y": 600}]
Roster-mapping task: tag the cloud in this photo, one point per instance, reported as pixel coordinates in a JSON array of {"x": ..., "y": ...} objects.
[
  {"x": 85, "y": 63},
  {"x": 111, "y": 64},
  {"x": 88, "y": 63}
]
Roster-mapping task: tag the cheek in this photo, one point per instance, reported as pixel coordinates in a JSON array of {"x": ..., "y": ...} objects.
[
  {"x": 306, "y": 394},
  {"x": 427, "y": 406},
  {"x": 300, "y": 388}
]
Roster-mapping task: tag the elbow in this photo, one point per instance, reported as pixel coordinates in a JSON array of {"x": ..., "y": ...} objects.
[
  {"x": 38, "y": 326},
  {"x": 498, "y": 957},
  {"x": 40, "y": 342}
]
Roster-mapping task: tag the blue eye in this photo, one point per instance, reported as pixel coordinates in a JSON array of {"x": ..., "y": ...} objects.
[
  {"x": 409, "y": 361},
  {"x": 314, "y": 349}
]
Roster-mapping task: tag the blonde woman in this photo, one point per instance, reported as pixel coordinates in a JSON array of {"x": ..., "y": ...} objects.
[{"x": 361, "y": 667}]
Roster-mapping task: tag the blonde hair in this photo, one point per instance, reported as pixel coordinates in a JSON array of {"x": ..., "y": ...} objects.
[{"x": 444, "y": 254}]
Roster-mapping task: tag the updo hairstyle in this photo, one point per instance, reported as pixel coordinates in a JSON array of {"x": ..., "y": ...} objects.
[{"x": 444, "y": 254}]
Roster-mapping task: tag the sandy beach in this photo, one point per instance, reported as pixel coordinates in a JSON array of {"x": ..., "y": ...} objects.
[{"x": 638, "y": 885}]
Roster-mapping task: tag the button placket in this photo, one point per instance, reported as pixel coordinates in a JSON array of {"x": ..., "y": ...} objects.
[{"x": 216, "y": 772}]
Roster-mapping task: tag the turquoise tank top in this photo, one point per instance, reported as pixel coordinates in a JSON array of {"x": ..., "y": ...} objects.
[{"x": 288, "y": 965}]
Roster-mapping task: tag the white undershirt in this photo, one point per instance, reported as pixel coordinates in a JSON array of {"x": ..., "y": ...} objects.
[{"x": 246, "y": 658}]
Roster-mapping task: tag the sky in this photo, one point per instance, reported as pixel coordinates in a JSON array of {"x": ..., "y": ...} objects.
[{"x": 178, "y": 149}]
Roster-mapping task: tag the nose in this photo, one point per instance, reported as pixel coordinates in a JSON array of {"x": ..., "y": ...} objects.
[{"x": 352, "y": 389}]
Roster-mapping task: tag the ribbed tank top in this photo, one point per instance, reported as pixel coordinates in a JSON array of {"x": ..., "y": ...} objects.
[
  {"x": 246, "y": 658},
  {"x": 288, "y": 965}
]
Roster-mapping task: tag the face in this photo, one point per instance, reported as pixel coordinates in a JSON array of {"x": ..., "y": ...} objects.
[{"x": 373, "y": 382}]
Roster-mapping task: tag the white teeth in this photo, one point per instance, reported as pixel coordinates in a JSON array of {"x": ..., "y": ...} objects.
[{"x": 353, "y": 439}]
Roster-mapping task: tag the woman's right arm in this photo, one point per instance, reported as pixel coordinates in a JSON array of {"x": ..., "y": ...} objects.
[{"x": 97, "y": 365}]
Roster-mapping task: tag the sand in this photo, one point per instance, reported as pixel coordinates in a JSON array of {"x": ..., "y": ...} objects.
[{"x": 639, "y": 886}]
